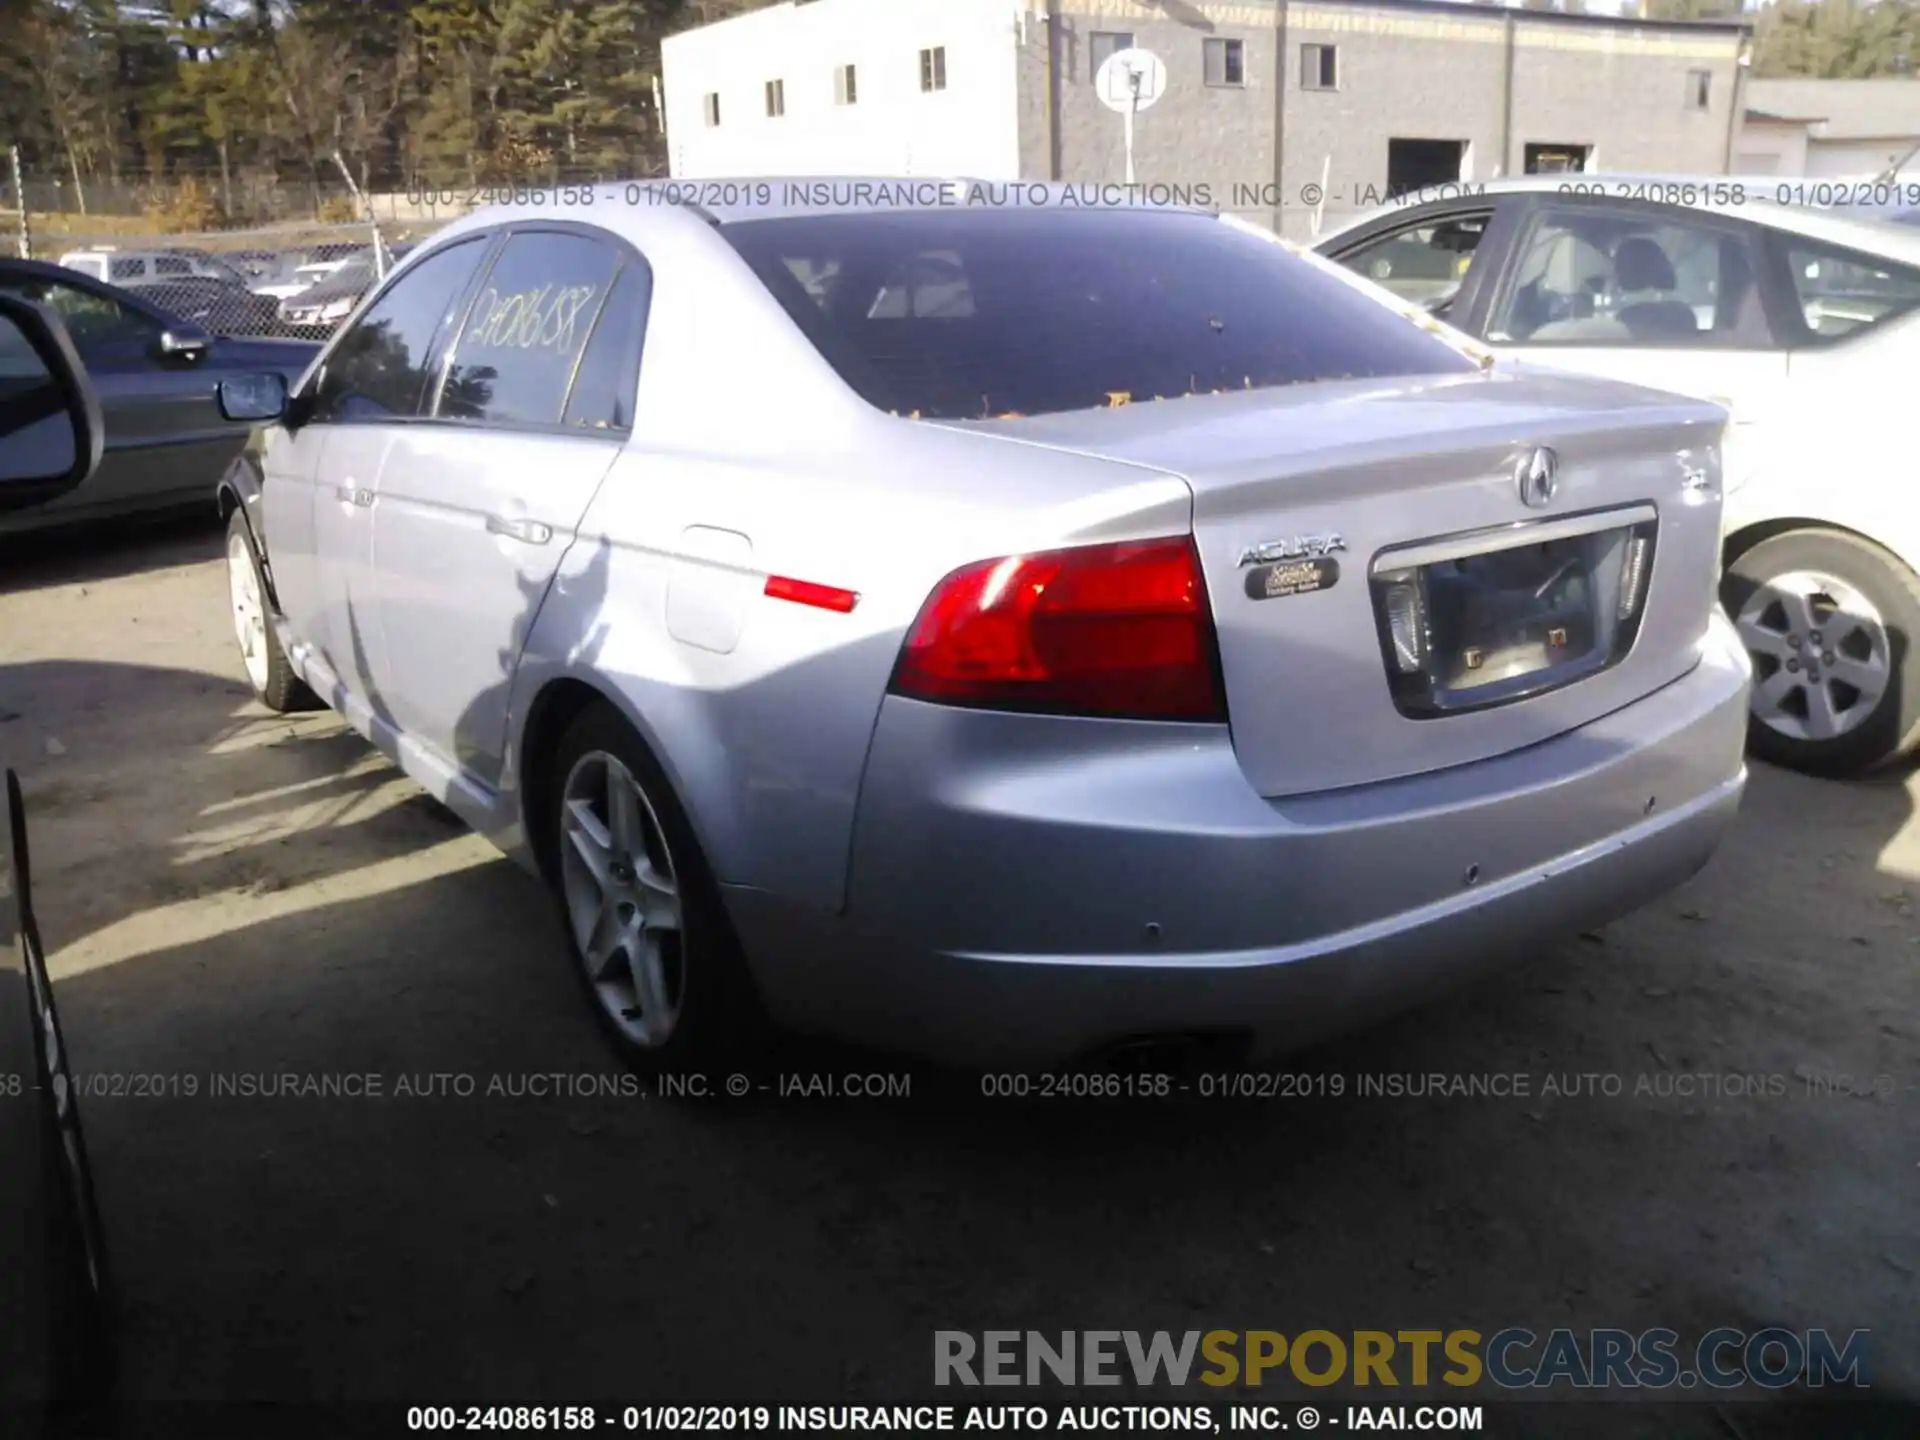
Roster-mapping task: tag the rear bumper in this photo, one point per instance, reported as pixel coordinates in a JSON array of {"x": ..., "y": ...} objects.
[{"x": 1025, "y": 888}]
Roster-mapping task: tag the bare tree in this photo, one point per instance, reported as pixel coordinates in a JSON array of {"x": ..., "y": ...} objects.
[{"x": 59, "y": 61}]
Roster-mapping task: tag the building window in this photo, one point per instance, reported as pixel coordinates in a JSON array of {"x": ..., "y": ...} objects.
[
  {"x": 711, "y": 105},
  {"x": 1223, "y": 62},
  {"x": 933, "y": 68},
  {"x": 1103, "y": 45},
  {"x": 776, "y": 97},
  {"x": 1319, "y": 67},
  {"x": 1699, "y": 84},
  {"x": 1555, "y": 159},
  {"x": 844, "y": 90}
]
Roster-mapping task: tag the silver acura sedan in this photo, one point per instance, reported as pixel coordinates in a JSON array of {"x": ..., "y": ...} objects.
[{"x": 999, "y": 632}]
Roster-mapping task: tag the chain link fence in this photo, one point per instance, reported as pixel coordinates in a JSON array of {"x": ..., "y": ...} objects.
[
  {"x": 291, "y": 279},
  {"x": 237, "y": 255}
]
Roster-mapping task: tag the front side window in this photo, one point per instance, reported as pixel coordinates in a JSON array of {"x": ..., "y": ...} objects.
[
  {"x": 1840, "y": 292},
  {"x": 1425, "y": 264},
  {"x": 378, "y": 369},
  {"x": 971, "y": 314},
  {"x": 102, "y": 328},
  {"x": 120, "y": 271},
  {"x": 1602, "y": 277},
  {"x": 515, "y": 356}
]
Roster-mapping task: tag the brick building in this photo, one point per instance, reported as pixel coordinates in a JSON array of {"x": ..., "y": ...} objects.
[{"x": 1273, "y": 108}]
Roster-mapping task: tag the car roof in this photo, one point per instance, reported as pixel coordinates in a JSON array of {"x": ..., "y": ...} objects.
[{"x": 1751, "y": 198}]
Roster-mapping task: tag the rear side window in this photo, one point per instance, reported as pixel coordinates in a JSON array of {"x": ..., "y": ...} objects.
[
  {"x": 126, "y": 269},
  {"x": 603, "y": 388},
  {"x": 514, "y": 361},
  {"x": 970, "y": 314},
  {"x": 1842, "y": 292},
  {"x": 378, "y": 369}
]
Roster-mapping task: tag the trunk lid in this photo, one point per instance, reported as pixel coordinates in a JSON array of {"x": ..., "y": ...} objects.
[{"x": 1321, "y": 510}]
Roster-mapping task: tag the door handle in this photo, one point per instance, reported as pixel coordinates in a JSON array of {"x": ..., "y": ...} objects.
[
  {"x": 348, "y": 495},
  {"x": 530, "y": 531}
]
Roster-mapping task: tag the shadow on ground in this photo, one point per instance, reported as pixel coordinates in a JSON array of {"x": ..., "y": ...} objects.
[
  {"x": 255, "y": 916},
  {"x": 108, "y": 550}
]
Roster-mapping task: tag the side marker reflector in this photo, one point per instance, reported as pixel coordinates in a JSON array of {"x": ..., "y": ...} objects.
[{"x": 805, "y": 592}]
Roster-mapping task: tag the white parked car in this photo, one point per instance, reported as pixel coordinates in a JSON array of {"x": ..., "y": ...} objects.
[
  {"x": 138, "y": 268},
  {"x": 1805, "y": 324},
  {"x": 305, "y": 276}
]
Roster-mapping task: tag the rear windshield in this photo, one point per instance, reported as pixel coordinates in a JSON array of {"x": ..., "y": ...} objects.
[{"x": 970, "y": 314}]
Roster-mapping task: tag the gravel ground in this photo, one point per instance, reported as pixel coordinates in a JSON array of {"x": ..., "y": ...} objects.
[{"x": 234, "y": 895}]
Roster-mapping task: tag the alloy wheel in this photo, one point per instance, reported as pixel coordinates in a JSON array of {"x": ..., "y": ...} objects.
[
  {"x": 249, "y": 614},
  {"x": 623, "y": 900},
  {"x": 1821, "y": 659}
]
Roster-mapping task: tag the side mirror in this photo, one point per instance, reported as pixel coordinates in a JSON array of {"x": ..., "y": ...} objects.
[
  {"x": 50, "y": 429},
  {"x": 183, "y": 342},
  {"x": 253, "y": 397}
]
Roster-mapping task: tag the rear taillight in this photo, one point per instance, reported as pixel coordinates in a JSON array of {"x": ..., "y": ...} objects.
[{"x": 1116, "y": 630}]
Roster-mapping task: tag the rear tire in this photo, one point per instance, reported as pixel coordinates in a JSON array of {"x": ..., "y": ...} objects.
[
  {"x": 639, "y": 908},
  {"x": 1832, "y": 623},
  {"x": 261, "y": 656}
]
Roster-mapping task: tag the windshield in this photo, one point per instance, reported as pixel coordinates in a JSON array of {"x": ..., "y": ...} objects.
[
  {"x": 222, "y": 270},
  {"x": 318, "y": 271},
  {"x": 969, "y": 314}
]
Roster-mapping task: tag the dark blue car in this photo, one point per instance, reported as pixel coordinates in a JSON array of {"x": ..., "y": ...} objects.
[{"x": 157, "y": 376}]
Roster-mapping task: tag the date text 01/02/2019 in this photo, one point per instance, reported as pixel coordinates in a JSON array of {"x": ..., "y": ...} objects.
[{"x": 751, "y": 1420}]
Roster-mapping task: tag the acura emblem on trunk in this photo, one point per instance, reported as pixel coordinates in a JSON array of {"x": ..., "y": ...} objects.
[
  {"x": 1294, "y": 547},
  {"x": 1538, "y": 475}
]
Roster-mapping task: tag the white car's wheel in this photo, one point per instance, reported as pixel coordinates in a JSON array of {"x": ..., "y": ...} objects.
[
  {"x": 643, "y": 917},
  {"x": 274, "y": 683},
  {"x": 1831, "y": 622}
]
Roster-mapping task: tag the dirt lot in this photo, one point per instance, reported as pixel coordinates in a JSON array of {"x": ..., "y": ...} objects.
[{"x": 232, "y": 895}]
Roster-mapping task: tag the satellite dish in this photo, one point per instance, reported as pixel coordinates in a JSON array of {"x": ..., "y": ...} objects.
[{"x": 1130, "y": 80}]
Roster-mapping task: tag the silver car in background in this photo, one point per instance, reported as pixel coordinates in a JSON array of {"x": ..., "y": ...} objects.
[{"x": 1000, "y": 633}]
